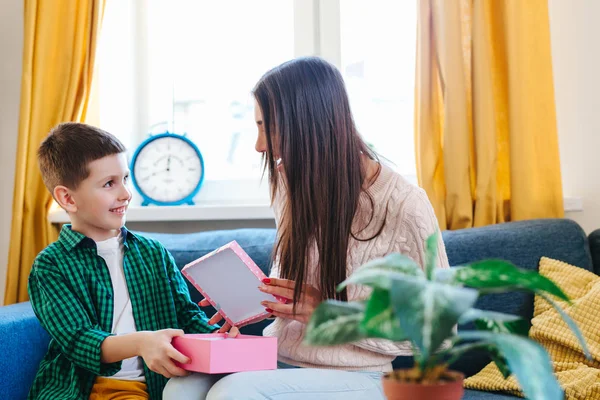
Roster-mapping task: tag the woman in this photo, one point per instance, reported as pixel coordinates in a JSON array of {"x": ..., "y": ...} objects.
[{"x": 336, "y": 207}]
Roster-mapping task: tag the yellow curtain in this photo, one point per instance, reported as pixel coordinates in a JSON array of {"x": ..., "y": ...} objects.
[
  {"x": 485, "y": 123},
  {"x": 60, "y": 39}
]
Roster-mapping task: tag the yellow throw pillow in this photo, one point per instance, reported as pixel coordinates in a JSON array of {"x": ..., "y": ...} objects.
[{"x": 579, "y": 377}]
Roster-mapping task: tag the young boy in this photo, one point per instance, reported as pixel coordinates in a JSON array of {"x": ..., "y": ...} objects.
[{"x": 111, "y": 300}]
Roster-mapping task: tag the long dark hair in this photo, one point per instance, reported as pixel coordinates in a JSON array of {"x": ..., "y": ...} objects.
[{"x": 306, "y": 114}]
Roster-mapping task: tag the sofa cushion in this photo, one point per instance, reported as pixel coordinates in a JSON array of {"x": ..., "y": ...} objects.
[
  {"x": 479, "y": 395},
  {"x": 523, "y": 243},
  {"x": 23, "y": 345},
  {"x": 594, "y": 240},
  {"x": 579, "y": 377}
]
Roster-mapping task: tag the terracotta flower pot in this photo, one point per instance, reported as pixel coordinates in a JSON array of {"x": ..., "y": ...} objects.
[{"x": 451, "y": 388}]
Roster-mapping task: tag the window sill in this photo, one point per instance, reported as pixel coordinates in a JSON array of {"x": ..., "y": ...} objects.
[
  {"x": 218, "y": 212},
  {"x": 183, "y": 213}
]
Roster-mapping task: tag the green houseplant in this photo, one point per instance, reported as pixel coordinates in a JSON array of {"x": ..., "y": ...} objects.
[{"x": 424, "y": 307}]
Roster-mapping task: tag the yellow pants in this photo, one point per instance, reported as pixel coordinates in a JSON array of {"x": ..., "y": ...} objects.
[{"x": 115, "y": 389}]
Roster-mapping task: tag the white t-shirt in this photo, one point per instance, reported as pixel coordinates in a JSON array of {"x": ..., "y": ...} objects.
[{"x": 111, "y": 251}]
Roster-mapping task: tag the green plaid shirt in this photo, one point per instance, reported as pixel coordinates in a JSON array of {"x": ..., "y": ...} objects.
[{"x": 72, "y": 296}]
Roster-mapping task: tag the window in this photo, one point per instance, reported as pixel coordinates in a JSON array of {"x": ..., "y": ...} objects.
[
  {"x": 189, "y": 66},
  {"x": 378, "y": 49}
]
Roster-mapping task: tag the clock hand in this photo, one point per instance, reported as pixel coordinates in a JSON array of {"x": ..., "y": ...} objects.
[
  {"x": 151, "y": 175},
  {"x": 169, "y": 163}
]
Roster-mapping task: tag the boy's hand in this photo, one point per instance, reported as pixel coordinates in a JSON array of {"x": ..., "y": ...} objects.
[
  {"x": 158, "y": 352},
  {"x": 215, "y": 319}
]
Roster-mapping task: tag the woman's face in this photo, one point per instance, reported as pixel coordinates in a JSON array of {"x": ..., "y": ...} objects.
[{"x": 261, "y": 142}]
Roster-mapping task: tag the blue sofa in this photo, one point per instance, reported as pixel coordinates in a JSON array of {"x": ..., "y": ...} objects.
[{"x": 23, "y": 341}]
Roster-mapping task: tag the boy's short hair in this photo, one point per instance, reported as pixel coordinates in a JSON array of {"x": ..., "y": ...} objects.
[{"x": 64, "y": 155}]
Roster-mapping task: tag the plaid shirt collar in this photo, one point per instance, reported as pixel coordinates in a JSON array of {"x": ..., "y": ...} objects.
[{"x": 71, "y": 239}]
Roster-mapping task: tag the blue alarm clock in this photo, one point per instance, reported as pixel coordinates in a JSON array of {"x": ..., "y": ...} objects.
[{"x": 167, "y": 170}]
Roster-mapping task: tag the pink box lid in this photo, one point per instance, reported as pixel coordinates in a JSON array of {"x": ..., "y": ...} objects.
[{"x": 228, "y": 278}]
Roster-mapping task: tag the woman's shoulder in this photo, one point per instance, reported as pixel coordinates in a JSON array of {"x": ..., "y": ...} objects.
[
  {"x": 397, "y": 190},
  {"x": 391, "y": 205}
]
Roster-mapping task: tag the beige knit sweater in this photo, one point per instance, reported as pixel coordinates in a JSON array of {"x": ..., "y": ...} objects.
[{"x": 410, "y": 220}]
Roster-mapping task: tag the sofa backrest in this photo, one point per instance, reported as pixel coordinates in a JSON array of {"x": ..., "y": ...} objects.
[
  {"x": 594, "y": 240},
  {"x": 524, "y": 244}
]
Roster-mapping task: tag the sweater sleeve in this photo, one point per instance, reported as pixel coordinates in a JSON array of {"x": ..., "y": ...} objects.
[
  {"x": 418, "y": 222},
  {"x": 414, "y": 224}
]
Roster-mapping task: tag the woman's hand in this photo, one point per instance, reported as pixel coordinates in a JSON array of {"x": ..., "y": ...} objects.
[
  {"x": 215, "y": 319},
  {"x": 310, "y": 298}
]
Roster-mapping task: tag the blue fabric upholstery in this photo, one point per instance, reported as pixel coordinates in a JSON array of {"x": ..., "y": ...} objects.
[
  {"x": 478, "y": 395},
  {"x": 23, "y": 341},
  {"x": 594, "y": 240},
  {"x": 522, "y": 243},
  {"x": 187, "y": 247}
]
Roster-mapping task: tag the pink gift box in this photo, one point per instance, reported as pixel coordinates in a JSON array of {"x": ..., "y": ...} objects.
[
  {"x": 215, "y": 353},
  {"x": 229, "y": 279}
]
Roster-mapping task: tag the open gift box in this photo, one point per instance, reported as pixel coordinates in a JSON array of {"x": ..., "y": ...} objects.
[
  {"x": 229, "y": 279},
  {"x": 216, "y": 353}
]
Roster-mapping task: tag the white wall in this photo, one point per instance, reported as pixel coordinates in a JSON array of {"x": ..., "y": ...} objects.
[
  {"x": 11, "y": 45},
  {"x": 576, "y": 57}
]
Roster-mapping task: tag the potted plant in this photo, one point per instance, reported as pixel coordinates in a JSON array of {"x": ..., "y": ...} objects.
[{"x": 424, "y": 307}]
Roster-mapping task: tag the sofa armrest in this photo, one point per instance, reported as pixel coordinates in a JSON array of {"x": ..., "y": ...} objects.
[{"x": 23, "y": 345}]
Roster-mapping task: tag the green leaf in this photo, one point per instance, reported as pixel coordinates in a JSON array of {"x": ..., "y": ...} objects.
[
  {"x": 519, "y": 327},
  {"x": 428, "y": 311},
  {"x": 500, "y": 361},
  {"x": 576, "y": 331},
  {"x": 446, "y": 276},
  {"x": 452, "y": 354},
  {"x": 335, "y": 322},
  {"x": 495, "y": 276},
  {"x": 474, "y": 314},
  {"x": 431, "y": 253},
  {"x": 380, "y": 272},
  {"x": 520, "y": 353},
  {"x": 380, "y": 320},
  {"x": 495, "y": 321}
]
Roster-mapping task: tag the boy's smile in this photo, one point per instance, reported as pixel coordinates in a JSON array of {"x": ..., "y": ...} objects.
[{"x": 119, "y": 210}]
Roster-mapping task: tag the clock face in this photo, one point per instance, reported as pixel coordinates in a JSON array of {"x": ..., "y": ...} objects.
[{"x": 167, "y": 169}]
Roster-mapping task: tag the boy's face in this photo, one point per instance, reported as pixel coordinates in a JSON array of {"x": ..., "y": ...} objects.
[{"x": 98, "y": 206}]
